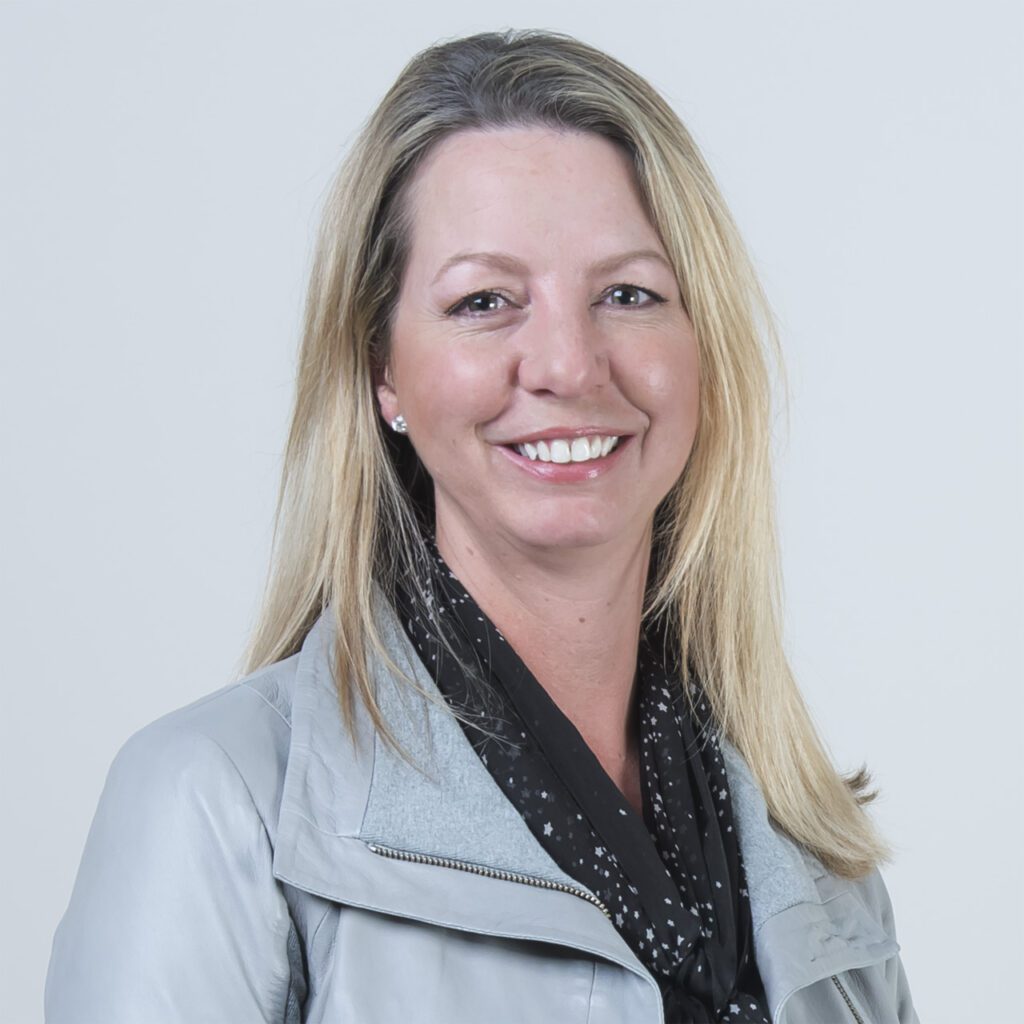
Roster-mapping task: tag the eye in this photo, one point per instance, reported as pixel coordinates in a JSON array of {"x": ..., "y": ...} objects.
[
  {"x": 478, "y": 303},
  {"x": 632, "y": 295}
]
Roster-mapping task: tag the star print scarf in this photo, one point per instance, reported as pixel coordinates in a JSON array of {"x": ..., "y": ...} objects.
[{"x": 672, "y": 880}]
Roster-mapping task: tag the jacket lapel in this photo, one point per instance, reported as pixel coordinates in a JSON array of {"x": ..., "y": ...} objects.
[
  {"x": 342, "y": 798},
  {"x": 808, "y": 923}
]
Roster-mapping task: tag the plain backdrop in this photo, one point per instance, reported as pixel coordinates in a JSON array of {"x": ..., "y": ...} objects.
[{"x": 163, "y": 166}]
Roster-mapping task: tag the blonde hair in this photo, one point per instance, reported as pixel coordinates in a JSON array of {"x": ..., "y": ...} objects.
[{"x": 350, "y": 493}]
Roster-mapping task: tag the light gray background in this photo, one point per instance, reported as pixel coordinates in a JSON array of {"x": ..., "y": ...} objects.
[{"x": 162, "y": 170}]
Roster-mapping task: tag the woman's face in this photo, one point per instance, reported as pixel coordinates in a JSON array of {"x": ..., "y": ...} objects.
[{"x": 538, "y": 318}]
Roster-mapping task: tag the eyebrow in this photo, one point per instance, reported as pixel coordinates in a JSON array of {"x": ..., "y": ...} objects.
[{"x": 512, "y": 264}]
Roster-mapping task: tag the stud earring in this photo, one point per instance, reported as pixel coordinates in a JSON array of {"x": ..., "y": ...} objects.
[{"x": 399, "y": 426}]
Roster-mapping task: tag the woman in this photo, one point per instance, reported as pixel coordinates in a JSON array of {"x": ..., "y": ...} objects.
[{"x": 519, "y": 742}]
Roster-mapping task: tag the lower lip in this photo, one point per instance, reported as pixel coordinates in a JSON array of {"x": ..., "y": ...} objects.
[{"x": 566, "y": 472}]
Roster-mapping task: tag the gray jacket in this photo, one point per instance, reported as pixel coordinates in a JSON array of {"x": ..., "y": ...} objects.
[{"x": 249, "y": 862}]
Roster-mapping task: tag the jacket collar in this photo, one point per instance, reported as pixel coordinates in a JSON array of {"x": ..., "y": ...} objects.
[
  {"x": 808, "y": 924},
  {"x": 342, "y": 796}
]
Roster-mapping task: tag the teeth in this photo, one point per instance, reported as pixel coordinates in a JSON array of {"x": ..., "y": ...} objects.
[
  {"x": 560, "y": 451},
  {"x": 569, "y": 449},
  {"x": 580, "y": 449}
]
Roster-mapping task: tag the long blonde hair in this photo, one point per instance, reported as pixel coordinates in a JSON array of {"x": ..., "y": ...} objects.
[{"x": 351, "y": 493}]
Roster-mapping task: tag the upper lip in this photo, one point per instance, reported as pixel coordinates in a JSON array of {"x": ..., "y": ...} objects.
[{"x": 554, "y": 433}]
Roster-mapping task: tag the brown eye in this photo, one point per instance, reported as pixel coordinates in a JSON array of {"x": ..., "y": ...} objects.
[
  {"x": 477, "y": 303},
  {"x": 631, "y": 295}
]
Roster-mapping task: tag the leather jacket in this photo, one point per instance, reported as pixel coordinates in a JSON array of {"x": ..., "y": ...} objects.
[{"x": 248, "y": 861}]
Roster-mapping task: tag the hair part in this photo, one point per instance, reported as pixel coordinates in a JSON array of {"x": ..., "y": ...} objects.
[{"x": 353, "y": 497}]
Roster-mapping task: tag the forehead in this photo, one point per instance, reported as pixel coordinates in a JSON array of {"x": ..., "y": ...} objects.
[{"x": 541, "y": 193}]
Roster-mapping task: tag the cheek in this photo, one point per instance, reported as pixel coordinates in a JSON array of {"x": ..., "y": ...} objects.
[
  {"x": 452, "y": 381},
  {"x": 667, "y": 383}
]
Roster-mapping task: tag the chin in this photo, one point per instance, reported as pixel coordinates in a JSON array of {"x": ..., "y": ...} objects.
[{"x": 566, "y": 531}]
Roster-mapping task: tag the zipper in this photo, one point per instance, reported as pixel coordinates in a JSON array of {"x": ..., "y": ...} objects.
[
  {"x": 508, "y": 876},
  {"x": 541, "y": 883},
  {"x": 846, "y": 998}
]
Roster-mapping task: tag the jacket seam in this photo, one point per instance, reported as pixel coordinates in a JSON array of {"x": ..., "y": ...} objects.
[
  {"x": 293, "y": 929},
  {"x": 369, "y": 788},
  {"x": 316, "y": 930},
  {"x": 255, "y": 807},
  {"x": 269, "y": 704},
  {"x": 245, "y": 785},
  {"x": 593, "y": 985}
]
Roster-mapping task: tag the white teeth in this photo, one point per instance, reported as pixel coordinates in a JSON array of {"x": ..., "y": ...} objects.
[
  {"x": 569, "y": 449},
  {"x": 560, "y": 451},
  {"x": 580, "y": 449}
]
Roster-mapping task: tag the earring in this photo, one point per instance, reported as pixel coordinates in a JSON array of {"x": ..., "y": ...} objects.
[{"x": 399, "y": 426}]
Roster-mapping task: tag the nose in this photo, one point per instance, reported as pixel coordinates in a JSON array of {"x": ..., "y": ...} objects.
[{"x": 563, "y": 353}]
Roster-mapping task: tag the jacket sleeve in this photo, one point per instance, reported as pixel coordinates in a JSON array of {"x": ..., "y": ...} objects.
[
  {"x": 895, "y": 976},
  {"x": 175, "y": 914},
  {"x": 905, "y": 1012},
  {"x": 900, "y": 988}
]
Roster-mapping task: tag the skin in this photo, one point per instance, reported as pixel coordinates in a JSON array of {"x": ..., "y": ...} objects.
[{"x": 559, "y": 566}]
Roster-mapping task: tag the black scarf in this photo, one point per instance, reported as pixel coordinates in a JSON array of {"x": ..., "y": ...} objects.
[{"x": 672, "y": 880}]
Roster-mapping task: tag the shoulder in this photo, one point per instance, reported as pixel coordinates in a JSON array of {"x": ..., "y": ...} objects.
[
  {"x": 238, "y": 736},
  {"x": 176, "y": 878},
  {"x": 782, "y": 872},
  {"x": 869, "y": 891}
]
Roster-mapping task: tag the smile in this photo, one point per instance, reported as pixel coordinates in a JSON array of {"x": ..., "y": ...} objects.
[{"x": 568, "y": 449}]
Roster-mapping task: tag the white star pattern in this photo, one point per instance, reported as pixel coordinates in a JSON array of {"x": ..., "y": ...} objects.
[{"x": 566, "y": 818}]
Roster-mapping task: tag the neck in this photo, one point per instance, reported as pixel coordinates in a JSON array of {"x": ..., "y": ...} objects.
[{"x": 573, "y": 618}]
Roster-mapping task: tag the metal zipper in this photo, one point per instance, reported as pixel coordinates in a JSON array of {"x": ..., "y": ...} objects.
[
  {"x": 846, "y": 998},
  {"x": 508, "y": 876},
  {"x": 541, "y": 883}
]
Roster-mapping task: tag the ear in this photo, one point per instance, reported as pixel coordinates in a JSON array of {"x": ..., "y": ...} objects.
[{"x": 387, "y": 398}]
